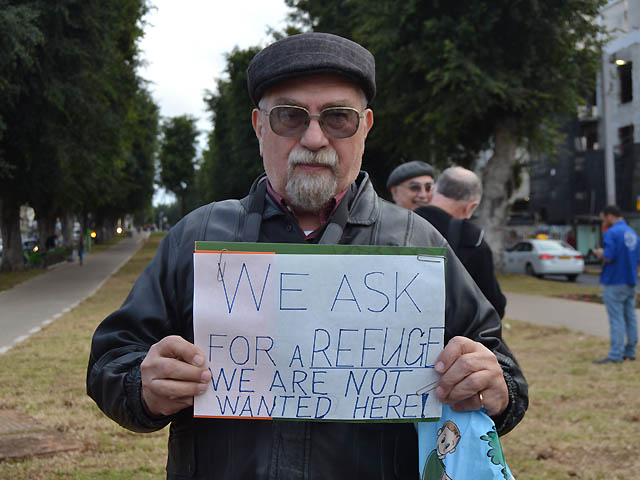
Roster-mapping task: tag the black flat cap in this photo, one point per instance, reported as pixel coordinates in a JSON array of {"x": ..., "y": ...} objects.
[
  {"x": 308, "y": 54},
  {"x": 404, "y": 171}
]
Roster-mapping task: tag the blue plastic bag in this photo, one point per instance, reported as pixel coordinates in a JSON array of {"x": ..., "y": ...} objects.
[{"x": 460, "y": 446}]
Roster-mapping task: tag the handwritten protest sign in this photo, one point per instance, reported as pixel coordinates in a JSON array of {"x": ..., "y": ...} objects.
[{"x": 319, "y": 332}]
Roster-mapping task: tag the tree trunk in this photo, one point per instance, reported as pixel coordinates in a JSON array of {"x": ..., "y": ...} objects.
[
  {"x": 67, "y": 221},
  {"x": 12, "y": 256},
  {"x": 46, "y": 225},
  {"x": 496, "y": 175}
]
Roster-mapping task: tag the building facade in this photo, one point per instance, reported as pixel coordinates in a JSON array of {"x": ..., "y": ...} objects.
[{"x": 599, "y": 161}]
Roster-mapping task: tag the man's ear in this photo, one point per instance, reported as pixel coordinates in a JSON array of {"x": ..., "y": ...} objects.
[
  {"x": 393, "y": 189},
  {"x": 469, "y": 209},
  {"x": 368, "y": 121},
  {"x": 256, "y": 121}
]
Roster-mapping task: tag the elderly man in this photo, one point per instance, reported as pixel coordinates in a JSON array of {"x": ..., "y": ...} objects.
[
  {"x": 411, "y": 184},
  {"x": 456, "y": 195},
  {"x": 312, "y": 120}
]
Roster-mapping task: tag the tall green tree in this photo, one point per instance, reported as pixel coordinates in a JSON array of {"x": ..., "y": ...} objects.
[
  {"x": 19, "y": 38},
  {"x": 139, "y": 169},
  {"x": 72, "y": 92},
  {"x": 455, "y": 78},
  {"x": 231, "y": 161},
  {"x": 178, "y": 156}
]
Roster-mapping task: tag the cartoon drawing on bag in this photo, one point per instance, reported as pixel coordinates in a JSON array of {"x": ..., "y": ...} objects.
[
  {"x": 495, "y": 453},
  {"x": 448, "y": 439}
]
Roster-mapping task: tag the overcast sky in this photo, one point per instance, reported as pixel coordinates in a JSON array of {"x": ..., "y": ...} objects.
[{"x": 185, "y": 43}]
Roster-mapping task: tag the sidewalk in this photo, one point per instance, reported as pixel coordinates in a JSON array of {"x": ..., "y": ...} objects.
[
  {"x": 35, "y": 303},
  {"x": 590, "y": 318}
]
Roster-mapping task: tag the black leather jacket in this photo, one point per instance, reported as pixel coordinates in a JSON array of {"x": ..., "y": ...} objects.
[
  {"x": 474, "y": 253},
  {"x": 160, "y": 304}
]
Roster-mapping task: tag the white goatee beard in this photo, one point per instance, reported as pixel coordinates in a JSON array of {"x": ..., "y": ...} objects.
[{"x": 310, "y": 193}]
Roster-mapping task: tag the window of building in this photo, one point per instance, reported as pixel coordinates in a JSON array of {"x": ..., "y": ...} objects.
[
  {"x": 626, "y": 83},
  {"x": 625, "y": 135},
  {"x": 589, "y": 132},
  {"x": 625, "y": 139}
]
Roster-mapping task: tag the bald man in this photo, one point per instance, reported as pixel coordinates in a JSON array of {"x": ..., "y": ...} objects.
[{"x": 456, "y": 195}]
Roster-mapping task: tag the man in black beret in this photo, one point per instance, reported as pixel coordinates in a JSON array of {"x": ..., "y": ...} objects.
[
  {"x": 311, "y": 118},
  {"x": 411, "y": 184}
]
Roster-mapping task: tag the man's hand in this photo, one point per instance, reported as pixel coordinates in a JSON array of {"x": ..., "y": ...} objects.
[
  {"x": 172, "y": 373},
  {"x": 468, "y": 369},
  {"x": 598, "y": 252}
]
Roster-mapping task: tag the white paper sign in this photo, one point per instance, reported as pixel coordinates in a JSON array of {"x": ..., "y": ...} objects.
[{"x": 319, "y": 337}]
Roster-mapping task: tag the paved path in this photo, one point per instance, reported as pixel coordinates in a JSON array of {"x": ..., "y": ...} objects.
[
  {"x": 575, "y": 315},
  {"x": 29, "y": 306}
]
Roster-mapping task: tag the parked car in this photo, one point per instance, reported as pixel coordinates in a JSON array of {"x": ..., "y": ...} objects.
[{"x": 544, "y": 257}]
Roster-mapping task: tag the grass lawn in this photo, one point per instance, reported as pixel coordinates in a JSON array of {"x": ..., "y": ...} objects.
[
  {"x": 44, "y": 377},
  {"x": 583, "y": 421},
  {"x": 510, "y": 282},
  {"x": 11, "y": 279}
]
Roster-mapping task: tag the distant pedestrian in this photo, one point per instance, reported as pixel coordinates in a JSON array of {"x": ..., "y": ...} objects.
[
  {"x": 456, "y": 195},
  {"x": 51, "y": 242},
  {"x": 411, "y": 184},
  {"x": 619, "y": 278},
  {"x": 80, "y": 248}
]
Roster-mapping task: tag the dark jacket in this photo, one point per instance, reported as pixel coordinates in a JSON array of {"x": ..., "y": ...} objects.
[
  {"x": 474, "y": 253},
  {"x": 160, "y": 304}
]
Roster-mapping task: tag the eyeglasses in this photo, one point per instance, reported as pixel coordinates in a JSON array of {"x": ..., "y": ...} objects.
[
  {"x": 416, "y": 187},
  {"x": 293, "y": 121}
]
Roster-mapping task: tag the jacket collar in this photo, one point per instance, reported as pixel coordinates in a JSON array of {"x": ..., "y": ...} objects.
[{"x": 365, "y": 206}]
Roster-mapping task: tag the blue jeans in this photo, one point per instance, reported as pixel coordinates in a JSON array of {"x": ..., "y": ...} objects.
[{"x": 620, "y": 302}]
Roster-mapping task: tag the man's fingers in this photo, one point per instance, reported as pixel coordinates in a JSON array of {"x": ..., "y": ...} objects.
[
  {"x": 462, "y": 370},
  {"x": 456, "y": 347},
  {"x": 174, "y": 369},
  {"x": 467, "y": 368},
  {"x": 175, "y": 390},
  {"x": 454, "y": 390},
  {"x": 468, "y": 404},
  {"x": 173, "y": 372},
  {"x": 177, "y": 347},
  {"x": 493, "y": 400}
]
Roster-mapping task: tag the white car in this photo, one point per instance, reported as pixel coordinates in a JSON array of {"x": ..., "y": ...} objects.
[{"x": 544, "y": 257}]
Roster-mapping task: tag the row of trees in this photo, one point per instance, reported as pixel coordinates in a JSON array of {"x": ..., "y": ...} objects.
[
  {"x": 78, "y": 127},
  {"x": 455, "y": 79}
]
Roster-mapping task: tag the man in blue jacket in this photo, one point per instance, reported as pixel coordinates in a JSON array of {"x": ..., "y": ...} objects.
[{"x": 619, "y": 277}]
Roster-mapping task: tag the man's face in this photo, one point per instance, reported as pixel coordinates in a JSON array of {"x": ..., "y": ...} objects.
[
  {"x": 607, "y": 220},
  {"x": 312, "y": 166},
  {"x": 414, "y": 192},
  {"x": 447, "y": 442}
]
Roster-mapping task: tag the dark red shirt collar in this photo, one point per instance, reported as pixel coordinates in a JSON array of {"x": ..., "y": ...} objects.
[{"x": 324, "y": 214}]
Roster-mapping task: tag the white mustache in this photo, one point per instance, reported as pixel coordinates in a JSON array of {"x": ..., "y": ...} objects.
[{"x": 302, "y": 156}]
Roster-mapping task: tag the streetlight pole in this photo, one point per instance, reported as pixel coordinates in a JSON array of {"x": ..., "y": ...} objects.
[{"x": 609, "y": 162}]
